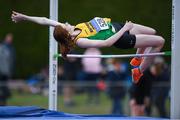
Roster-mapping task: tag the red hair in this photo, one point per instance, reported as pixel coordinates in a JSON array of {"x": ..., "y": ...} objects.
[{"x": 64, "y": 39}]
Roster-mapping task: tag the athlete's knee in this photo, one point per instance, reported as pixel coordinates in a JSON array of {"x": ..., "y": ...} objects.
[
  {"x": 160, "y": 41},
  {"x": 150, "y": 31},
  {"x": 153, "y": 31}
]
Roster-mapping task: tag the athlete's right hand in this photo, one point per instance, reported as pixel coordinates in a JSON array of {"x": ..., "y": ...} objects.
[
  {"x": 128, "y": 26},
  {"x": 17, "y": 17}
]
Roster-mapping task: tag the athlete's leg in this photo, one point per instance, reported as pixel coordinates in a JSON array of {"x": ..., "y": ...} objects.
[
  {"x": 140, "y": 29},
  {"x": 144, "y": 41},
  {"x": 143, "y": 50},
  {"x": 136, "y": 61}
]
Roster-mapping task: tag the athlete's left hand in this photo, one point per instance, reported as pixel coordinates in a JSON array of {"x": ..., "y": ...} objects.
[{"x": 128, "y": 26}]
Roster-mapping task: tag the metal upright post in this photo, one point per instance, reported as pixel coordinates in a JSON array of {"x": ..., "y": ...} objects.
[
  {"x": 175, "y": 67},
  {"x": 53, "y": 49}
]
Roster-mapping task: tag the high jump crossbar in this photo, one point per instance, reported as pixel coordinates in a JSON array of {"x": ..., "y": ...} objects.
[{"x": 167, "y": 53}]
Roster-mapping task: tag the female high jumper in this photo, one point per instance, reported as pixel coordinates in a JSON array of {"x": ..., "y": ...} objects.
[{"x": 101, "y": 32}]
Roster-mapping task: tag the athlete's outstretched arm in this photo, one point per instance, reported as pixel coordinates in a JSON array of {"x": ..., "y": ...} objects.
[
  {"x": 85, "y": 42},
  {"x": 18, "y": 17}
]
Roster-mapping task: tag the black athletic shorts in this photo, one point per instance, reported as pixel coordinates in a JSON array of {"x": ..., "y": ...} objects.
[{"x": 127, "y": 40}]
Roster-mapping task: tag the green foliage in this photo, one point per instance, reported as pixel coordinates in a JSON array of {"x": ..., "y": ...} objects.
[{"x": 31, "y": 40}]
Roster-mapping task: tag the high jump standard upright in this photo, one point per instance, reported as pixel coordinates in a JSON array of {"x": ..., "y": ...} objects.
[
  {"x": 175, "y": 63},
  {"x": 53, "y": 64}
]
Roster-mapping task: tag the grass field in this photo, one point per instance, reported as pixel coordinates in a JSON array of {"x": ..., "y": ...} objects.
[{"x": 81, "y": 107}]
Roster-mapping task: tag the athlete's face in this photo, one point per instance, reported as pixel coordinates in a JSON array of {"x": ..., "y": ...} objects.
[{"x": 69, "y": 28}]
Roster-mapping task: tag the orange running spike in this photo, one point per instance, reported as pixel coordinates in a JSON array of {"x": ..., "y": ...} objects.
[
  {"x": 136, "y": 61},
  {"x": 136, "y": 75}
]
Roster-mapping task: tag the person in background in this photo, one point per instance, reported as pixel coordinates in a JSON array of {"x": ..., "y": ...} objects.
[
  {"x": 143, "y": 95},
  {"x": 7, "y": 65},
  {"x": 92, "y": 68},
  {"x": 116, "y": 78},
  {"x": 140, "y": 96},
  {"x": 36, "y": 81},
  {"x": 61, "y": 78},
  {"x": 160, "y": 73},
  {"x": 70, "y": 67}
]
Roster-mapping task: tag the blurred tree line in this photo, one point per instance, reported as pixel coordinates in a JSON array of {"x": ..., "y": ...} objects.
[{"x": 31, "y": 40}]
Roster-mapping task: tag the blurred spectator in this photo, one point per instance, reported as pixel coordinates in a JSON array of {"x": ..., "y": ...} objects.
[
  {"x": 92, "y": 68},
  {"x": 7, "y": 65},
  {"x": 160, "y": 74},
  {"x": 61, "y": 73},
  {"x": 140, "y": 96},
  {"x": 71, "y": 67},
  {"x": 157, "y": 74},
  {"x": 36, "y": 82},
  {"x": 116, "y": 79},
  {"x": 61, "y": 78}
]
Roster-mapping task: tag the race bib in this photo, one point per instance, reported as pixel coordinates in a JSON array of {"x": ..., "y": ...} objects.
[{"x": 99, "y": 24}]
